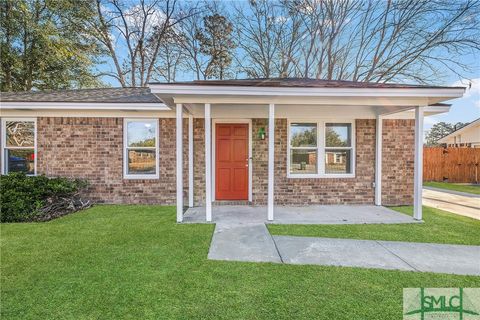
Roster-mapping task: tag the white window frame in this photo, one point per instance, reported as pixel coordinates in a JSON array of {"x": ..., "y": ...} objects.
[
  {"x": 4, "y": 143},
  {"x": 126, "y": 175},
  {"x": 321, "y": 130}
]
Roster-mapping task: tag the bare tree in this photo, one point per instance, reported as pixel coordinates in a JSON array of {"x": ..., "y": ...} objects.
[
  {"x": 139, "y": 30},
  {"x": 196, "y": 61},
  {"x": 363, "y": 40},
  {"x": 360, "y": 40},
  {"x": 268, "y": 36},
  {"x": 171, "y": 57}
]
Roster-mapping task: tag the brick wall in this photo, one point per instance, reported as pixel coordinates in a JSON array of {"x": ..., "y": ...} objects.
[
  {"x": 397, "y": 168},
  {"x": 91, "y": 148},
  {"x": 299, "y": 191},
  {"x": 398, "y": 160},
  {"x": 199, "y": 161}
]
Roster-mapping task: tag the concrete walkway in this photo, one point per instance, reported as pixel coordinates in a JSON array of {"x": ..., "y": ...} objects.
[
  {"x": 240, "y": 239},
  {"x": 407, "y": 256},
  {"x": 453, "y": 201},
  {"x": 243, "y": 242}
]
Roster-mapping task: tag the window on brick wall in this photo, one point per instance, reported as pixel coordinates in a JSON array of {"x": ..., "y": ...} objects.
[
  {"x": 140, "y": 159},
  {"x": 321, "y": 149},
  {"x": 303, "y": 148},
  {"x": 19, "y": 145}
]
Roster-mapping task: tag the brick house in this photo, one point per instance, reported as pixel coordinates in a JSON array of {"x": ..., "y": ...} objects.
[{"x": 254, "y": 142}]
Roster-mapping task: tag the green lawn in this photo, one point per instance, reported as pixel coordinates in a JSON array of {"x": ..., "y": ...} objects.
[
  {"x": 135, "y": 262},
  {"x": 475, "y": 189},
  {"x": 439, "y": 227}
]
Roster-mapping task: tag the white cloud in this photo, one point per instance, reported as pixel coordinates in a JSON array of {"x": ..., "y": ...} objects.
[
  {"x": 429, "y": 121},
  {"x": 474, "y": 90},
  {"x": 135, "y": 16}
]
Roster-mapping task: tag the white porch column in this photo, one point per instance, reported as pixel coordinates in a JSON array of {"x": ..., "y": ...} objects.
[
  {"x": 418, "y": 165},
  {"x": 378, "y": 161},
  {"x": 179, "y": 129},
  {"x": 271, "y": 158},
  {"x": 208, "y": 163},
  {"x": 190, "y": 160}
]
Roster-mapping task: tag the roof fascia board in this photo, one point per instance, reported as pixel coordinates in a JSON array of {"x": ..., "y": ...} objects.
[
  {"x": 409, "y": 113},
  {"x": 84, "y": 106},
  {"x": 454, "y": 92},
  {"x": 433, "y": 109},
  {"x": 317, "y": 100}
]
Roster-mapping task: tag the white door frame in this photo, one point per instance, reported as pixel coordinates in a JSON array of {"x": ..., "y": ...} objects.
[{"x": 214, "y": 158}]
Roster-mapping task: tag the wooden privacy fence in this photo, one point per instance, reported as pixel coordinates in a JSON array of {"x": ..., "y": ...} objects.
[{"x": 451, "y": 164}]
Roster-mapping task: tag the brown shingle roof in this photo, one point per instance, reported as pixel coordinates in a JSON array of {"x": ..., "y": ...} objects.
[
  {"x": 298, "y": 82},
  {"x": 103, "y": 95}
]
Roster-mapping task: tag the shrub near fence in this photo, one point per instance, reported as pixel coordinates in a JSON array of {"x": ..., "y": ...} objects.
[{"x": 459, "y": 165}]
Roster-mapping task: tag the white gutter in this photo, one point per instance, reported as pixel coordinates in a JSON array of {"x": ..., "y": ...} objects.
[
  {"x": 454, "y": 92},
  {"x": 32, "y": 105}
]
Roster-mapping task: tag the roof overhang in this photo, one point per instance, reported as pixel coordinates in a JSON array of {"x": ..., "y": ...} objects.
[{"x": 172, "y": 94}]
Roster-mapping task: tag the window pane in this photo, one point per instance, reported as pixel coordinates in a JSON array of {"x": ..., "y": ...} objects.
[
  {"x": 141, "y": 133},
  {"x": 20, "y": 160},
  {"x": 141, "y": 162},
  {"x": 303, "y": 134},
  {"x": 337, "y": 161},
  {"x": 20, "y": 133},
  {"x": 303, "y": 161},
  {"x": 338, "y": 135}
]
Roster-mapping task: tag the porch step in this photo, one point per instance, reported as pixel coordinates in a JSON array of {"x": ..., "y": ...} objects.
[{"x": 232, "y": 203}]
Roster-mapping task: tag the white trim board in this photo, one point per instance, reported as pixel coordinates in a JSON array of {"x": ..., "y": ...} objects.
[
  {"x": 250, "y": 162},
  {"x": 85, "y": 106},
  {"x": 231, "y": 111},
  {"x": 451, "y": 92}
]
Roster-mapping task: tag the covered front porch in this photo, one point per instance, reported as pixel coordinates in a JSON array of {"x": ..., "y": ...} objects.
[
  {"x": 278, "y": 105},
  {"x": 313, "y": 214}
]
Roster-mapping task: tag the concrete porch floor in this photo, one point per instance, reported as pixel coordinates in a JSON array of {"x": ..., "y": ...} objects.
[{"x": 315, "y": 214}]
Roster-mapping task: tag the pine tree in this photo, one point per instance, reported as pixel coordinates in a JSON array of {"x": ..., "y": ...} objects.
[{"x": 216, "y": 41}]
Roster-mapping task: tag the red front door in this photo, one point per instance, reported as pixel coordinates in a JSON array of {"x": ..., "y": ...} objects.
[{"x": 231, "y": 163}]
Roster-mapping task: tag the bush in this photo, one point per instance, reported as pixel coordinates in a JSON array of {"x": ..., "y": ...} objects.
[{"x": 38, "y": 198}]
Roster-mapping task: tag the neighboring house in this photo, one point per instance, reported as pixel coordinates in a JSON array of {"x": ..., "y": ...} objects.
[
  {"x": 467, "y": 136},
  {"x": 259, "y": 141}
]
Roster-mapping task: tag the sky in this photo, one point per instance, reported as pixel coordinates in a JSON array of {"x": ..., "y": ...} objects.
[{"x": 465, "y": 109}]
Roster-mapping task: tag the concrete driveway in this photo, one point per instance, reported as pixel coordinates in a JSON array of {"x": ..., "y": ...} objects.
[{"x": 461, "y": 203}]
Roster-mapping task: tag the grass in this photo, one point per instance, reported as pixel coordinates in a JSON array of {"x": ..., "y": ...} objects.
[
  {"x": 439, "y": 227},
  {"x": 475, "y": 189},
  {"x": 135, "y": 262}
]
